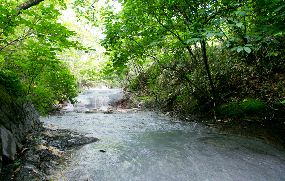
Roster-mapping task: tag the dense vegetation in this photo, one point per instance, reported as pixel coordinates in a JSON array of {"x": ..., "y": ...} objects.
[
  {"x": 220, "y": 58},
  {"x": 215, "y": 57},
  {"x": 30, "y": 40}
]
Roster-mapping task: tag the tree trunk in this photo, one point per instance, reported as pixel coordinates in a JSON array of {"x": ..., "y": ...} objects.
[{"x": 205, "y": 59}]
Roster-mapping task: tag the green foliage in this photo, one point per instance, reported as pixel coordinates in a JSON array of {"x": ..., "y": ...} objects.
[
  {"x": 29, "y": 47},
  {"x": 5, "y": 98},
  {"x": 17, "y": 163},
  {"x": 11, "y": 83},
  {"x": 245, "y": 107},
  {"x": 169, "y": 50}
]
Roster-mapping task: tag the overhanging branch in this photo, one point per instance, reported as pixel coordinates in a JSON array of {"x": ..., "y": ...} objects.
[{"x": 27, "y": 5}]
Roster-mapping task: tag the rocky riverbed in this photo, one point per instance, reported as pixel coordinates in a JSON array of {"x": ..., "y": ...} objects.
[{"x": 43, "y": 150}]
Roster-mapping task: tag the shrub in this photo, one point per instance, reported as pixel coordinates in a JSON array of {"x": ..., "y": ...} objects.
[{"x": 11, "y": 83}]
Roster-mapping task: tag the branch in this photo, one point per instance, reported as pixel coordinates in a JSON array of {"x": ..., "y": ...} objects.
[
  {"x": 21, "y": 37},
  {"x": 187, "y": 21},
  {"x": 15, "y": 40},
  {"x": 221, "y": 11},
  {"x": 27, "y": 5},
  {"x": 23, "y": 6},
  {"x": 182, "y": 75},
  {"x": 178, "y": 37}
]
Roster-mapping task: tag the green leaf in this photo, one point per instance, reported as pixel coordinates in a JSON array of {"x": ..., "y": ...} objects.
[
  {"x": 239, "y": 25},
  {"x": 279, "y": 8},
  {"x": 220, "y": 34},
  {"x": 239, "y": 49},
  {"x": 247, "y": 49},
  {"x": 276, "y": 53},
  {"x": 210, "y": 35},
  {"x": 242, "y": 13},
  {"x": 231, "y": 24},
  {"x": 14, "y": 12},
  {"x": 153, "y": 43},
  {"x": 193, "y": 39},
  {"x": 248, "y": 45}
]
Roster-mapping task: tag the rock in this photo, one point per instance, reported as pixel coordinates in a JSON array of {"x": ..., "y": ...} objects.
[
  {"x": 63, "y": 138},
  {"x": 43, "y": 150},
  {"x": 8, "y": 143},
  {"x": 108, "y": 112},
  {"x": 17, "y": 119},
  {"x": 28, "y": 172},
  {"x": 110, "y": 109},
  {"x": 33, "y": 159},
  {"x": 91, "y": 111}
]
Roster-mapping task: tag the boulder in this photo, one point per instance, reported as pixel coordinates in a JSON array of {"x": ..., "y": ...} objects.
[
  {"x": 8, "y": 143},
  {"x": 17, "y": 119}
]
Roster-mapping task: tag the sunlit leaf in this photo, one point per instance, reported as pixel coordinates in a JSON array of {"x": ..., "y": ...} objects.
[
  {"x": 247, "y": 49},
  {"x": 239, "y": 49},
  {"x": 210, "y": 35},
  {"x": 239, "y": 25},
  {"x": 193, "y": 39}
]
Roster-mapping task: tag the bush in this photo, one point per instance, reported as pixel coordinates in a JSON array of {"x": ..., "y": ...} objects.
[{"x": 11, "y": 83}]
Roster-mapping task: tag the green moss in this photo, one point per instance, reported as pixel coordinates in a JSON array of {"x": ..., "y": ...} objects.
[
  {"x": 254, "y": 106},
  {"x": 245, "y": 107}
]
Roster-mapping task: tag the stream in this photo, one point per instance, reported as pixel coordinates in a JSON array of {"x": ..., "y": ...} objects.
[{"x": 149, "y": 146}]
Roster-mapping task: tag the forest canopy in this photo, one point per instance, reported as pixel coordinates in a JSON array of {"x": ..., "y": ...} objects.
[
  {"x": 220, "y": 57},
  {"x": 30, "y": 40},
  {"x": 216, "y": 57}
]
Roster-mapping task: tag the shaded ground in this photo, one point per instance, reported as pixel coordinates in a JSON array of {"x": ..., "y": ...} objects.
[
  {"x": 43, "y": 151},
  {"x": 271, "y": 134}
]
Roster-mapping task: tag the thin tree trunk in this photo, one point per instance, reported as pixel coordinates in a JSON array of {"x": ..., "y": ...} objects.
[{"x": 205, "y": 59}]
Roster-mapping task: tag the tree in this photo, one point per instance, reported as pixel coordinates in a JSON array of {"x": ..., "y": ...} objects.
[
  {"x": 187, "y": 22},
  {"x": 31, "y": 38},
  {"x": 180, "y": 37}
]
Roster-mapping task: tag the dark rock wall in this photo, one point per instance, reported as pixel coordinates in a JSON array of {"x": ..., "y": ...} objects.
[{"x": 17, "y": 119}]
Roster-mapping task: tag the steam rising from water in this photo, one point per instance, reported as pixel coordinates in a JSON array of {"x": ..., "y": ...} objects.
[{"x": 94, "y": 99}]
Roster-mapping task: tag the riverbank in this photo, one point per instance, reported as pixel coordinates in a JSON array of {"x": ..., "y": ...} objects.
[
  {"x": 252, "y": 128},
  {"x": 138, "y": 144},
  {"x": 272, "y": 135},
  {"x": 47, "y": 150},
  {"x": 43, "y": 150}
]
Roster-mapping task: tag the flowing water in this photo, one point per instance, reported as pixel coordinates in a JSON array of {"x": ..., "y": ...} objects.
[{"x": 149, "y": 146}]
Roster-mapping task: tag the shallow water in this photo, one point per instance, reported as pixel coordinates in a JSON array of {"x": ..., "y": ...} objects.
[{"x": 145, "y": 146}]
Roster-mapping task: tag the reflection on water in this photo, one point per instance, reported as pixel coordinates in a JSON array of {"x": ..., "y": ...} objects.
[{"x": 149, "y": 146}]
